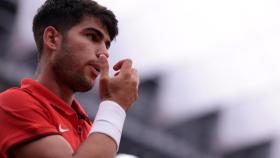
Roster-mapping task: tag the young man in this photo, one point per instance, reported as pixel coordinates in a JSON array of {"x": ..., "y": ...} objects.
[{"x": 41, "y": 118}]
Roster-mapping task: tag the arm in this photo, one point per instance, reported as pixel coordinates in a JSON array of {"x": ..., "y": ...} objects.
[
  {"x": 96, "y": 146},
  {"x": 122, "y": 89}
]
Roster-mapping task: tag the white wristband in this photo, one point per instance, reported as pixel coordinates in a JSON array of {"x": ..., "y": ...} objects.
[{"x": 109, "y": 120}]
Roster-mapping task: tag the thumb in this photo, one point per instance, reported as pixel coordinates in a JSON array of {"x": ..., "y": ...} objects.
[{"x": 104, "y": 66}]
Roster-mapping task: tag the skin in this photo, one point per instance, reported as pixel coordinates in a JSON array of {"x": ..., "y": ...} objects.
[{"x": 70, "y": 64}]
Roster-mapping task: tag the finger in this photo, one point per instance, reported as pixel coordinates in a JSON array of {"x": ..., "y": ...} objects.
[
  {"x": 126, "y": 66},
  {"x": 118, "y": 65},
  {"x": 104, "y": 66},
  {"x": 117, "y": 73},
  {"x": 136, "y": 76},
  {"x": 137, "y": 82}
]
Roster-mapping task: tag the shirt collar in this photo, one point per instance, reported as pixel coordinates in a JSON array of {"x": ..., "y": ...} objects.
[{"x": 38, "y": 89}]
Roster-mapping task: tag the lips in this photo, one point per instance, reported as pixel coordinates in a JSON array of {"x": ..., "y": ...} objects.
[{"x": 95, "y": 68}]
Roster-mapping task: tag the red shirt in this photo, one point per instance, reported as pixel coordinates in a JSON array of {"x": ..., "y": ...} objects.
[{"x": 32, "y": 111}]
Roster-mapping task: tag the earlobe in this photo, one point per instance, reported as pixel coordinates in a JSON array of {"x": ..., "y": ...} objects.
[{"x": 50, "y": 38}]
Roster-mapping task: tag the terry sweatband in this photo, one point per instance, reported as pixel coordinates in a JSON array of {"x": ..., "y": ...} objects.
[{"x": 109, "y": 120}]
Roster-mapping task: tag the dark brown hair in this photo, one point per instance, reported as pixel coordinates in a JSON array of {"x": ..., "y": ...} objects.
[{"x": 64, "y": 14}]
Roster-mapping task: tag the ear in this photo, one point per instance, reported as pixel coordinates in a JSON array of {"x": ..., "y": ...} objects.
[{"x": 51, "y": 38}]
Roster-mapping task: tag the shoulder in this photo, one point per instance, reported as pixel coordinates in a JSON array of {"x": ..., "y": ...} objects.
[
  {"x": 22, "y": 119},
  {"x": 15, "y": 97}
]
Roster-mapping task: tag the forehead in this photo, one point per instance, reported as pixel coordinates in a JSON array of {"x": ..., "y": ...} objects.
[{"x": 91, "y": 22}]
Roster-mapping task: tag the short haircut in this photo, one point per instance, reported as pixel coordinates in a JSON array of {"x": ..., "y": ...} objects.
[{"x": 64, "y": 14}]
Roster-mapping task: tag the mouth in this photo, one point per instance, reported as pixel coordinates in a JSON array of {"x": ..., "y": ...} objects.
[{"x": 95, "y": 68}]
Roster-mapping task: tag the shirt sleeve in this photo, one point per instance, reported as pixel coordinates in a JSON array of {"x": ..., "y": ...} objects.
[{"x": 22, "y": 123}]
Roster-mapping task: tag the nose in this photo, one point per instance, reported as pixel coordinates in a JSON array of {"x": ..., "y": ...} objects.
[{"x": 103, "y": 51}]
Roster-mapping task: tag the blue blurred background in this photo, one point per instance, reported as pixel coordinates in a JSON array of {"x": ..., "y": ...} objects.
[{"x": 210, "y": 77}]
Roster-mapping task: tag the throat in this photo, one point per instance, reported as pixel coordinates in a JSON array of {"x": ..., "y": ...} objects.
[{"x": 58, "y": 88}]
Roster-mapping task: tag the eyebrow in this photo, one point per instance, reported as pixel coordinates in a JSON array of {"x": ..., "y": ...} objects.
[{"x": 99, "y": 33}]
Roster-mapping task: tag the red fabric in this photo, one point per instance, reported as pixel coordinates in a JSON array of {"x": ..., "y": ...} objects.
[{"x": 32, "y": 111}]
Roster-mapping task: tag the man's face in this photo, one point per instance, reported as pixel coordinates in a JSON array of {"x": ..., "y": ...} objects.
[{"x": 76, "y": 62}]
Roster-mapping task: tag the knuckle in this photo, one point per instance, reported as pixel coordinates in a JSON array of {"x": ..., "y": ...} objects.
[
  {"x": 127, "y": 75},
  {"x": 128, "y": 61}
]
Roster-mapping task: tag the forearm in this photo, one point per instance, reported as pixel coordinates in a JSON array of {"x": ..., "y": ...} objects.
[
  {"x": 105, "y": 135},
  {"x": 97, "y": 145}
]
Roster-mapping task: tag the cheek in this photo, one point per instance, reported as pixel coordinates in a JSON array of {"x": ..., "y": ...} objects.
[
  {"x": 80, "y": 44},
  {"x": 86, "y": 50},
  {"x": 77, "y": 54},
  {"x": 67, "y": 62}
]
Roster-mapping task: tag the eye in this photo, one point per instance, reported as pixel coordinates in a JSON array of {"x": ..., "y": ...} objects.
[{"x": 93, "y": 37}]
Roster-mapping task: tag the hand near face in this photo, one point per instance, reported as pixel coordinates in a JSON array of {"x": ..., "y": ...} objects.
[{"x": 123, "y": 87}]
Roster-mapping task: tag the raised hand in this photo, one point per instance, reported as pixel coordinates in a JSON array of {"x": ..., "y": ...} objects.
[{"x": 123, "y": 87}]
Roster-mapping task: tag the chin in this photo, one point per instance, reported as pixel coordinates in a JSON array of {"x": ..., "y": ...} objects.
[
  {"x": 83, "y": 86},
  {"x": 83, "y": 89}
]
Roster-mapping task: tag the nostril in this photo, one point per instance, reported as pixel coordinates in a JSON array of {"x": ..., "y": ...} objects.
[{"x": 106, "y": 54}]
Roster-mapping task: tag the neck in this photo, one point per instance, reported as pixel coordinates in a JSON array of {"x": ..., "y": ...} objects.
[{"x": 46, "y": 77}]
